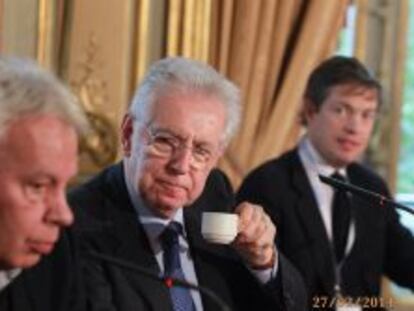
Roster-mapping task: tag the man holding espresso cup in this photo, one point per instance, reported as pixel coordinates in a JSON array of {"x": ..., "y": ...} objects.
[{"x": 148, "y": 209}]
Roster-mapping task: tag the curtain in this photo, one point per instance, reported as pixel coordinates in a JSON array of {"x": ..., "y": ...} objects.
[
  {"x": 272, "y": 46},
  {"x": 267, "y": 47}
]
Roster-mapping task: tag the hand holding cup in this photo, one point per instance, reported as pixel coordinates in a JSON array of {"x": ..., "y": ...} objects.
[
  {"x": 255, "y": 240},
  {"x": 249, "y": 230}
]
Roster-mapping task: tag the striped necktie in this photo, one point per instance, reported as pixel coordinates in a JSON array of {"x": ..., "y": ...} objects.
[{"x": 180, "y": 297}]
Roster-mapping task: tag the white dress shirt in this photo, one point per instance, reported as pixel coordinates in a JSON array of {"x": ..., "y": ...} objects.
[
  {"x": 314, "y": 166},
  {"x": 153, "y": 227},
  {"x": 7, "y": 276}
]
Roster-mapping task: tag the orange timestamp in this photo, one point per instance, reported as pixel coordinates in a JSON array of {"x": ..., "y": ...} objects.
[{"x": 366, "y": 302}]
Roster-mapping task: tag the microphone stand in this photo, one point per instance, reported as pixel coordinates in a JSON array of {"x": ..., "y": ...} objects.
[
  {"x": 366, "y": 194},
  {"x": 167, "y": 281}
]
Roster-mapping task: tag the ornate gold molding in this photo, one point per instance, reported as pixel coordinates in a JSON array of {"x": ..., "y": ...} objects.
[
  {"x": 101, "y": 144},
  {"x": 46, "y": 33}
]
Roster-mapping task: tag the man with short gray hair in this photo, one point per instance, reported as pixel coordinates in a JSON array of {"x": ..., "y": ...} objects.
[
  {"x": 147, "y": 210},
  {"x": 40, "y": 121}
]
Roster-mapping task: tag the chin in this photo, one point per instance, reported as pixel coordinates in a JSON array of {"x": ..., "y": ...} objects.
[
  {"x": 28, "y": 261},
  {"x": 20, "y": 262},
  {"x": 163, "y": 208},
  {"x": 347, "y": 160},
  {"x": 172, "y": 202},
  {"x": 165, "y": 212},
  {"x": 341, "y": 160}
]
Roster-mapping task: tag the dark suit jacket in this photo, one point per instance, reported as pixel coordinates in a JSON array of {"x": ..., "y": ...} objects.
[
  {"x": 52, "y": 285},
  {"x": 108, "y": 223},
  {"x": 382, "y": 245}
]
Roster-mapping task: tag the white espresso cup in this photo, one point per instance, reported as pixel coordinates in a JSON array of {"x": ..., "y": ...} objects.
[{"x": 218, "y": 227}]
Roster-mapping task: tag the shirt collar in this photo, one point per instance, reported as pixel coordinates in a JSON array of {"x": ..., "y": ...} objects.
[
  {"x": 314, "y": 160},
  {"x": 7, "y": 276},
  {"x": 153, "y": 225}
]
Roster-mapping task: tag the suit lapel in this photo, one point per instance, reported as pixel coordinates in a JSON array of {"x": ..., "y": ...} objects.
[
  {"x": 126, "y": 225},
  {"x": 25, "y": 292},
  {"x": 308, "y": 213},
  {"x": 127, "y": 228}
]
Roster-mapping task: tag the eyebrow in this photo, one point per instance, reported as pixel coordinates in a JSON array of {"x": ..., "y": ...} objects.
[
  {"x": 40, "y": 177},
  {"x": 167, "y": 131},
  {"x": 344, "y": 103},
  {"x": 196, "y": 142}
]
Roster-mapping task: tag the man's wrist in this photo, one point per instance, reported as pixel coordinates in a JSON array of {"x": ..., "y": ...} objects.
[{"x": 268, "y": 264}]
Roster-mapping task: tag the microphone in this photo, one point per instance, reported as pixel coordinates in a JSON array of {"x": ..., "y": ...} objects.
[
  {"x": 167, "y": 281},
  {"x": 363, "y": 193}
]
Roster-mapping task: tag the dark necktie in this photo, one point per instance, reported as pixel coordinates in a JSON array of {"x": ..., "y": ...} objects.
[
  {"x": 180, "y": 297},
  {"x": 341, "y": 219}
]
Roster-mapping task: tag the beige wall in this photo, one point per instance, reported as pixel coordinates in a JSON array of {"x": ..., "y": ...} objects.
[{"x": 18, "y": 27}]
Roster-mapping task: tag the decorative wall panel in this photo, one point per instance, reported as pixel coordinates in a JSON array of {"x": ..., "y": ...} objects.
[{"x": 97, "y": 63}]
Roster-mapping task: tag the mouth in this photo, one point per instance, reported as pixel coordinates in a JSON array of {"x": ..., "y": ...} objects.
[
  {"x": 41, "y": 247},
  {"x": 172, "y": 186},
  {"x": 348, "y": 144}
]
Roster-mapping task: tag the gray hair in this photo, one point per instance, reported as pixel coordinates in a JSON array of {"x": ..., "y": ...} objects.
[
  {"x": 178, "y": 74},
  {"x": 26, "y": 89}
]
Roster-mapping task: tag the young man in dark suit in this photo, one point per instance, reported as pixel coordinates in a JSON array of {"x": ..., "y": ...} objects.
[
  {"x": 39, "y": 126},
  {"x": 341, "y": 244},
  {"x": 179, "y": 123}
]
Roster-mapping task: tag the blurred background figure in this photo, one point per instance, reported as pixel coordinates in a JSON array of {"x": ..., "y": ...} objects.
[{"x": 341, "y": 243}]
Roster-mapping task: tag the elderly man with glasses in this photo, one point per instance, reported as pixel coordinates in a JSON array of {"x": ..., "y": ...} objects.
[{"x": 147, "y": 209}]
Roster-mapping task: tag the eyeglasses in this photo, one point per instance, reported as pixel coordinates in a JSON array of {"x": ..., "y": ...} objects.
[{"x": 165, "y": 144}]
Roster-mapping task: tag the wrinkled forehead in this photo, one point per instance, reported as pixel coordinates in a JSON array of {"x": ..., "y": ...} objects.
[
  {"x": 43, "y": 136},
  {"x": 184, "y": 91},
  {"x": 160, "y": 98},
  {"x": 191, "y": 114},
  {"x": 186, "y": 102}
]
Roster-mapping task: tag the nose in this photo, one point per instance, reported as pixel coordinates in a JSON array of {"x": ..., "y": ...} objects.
[
  {"x": 59, "y": 212},
  {"x": 180, "y": 163},
  {"x": 353, "y": 123}
]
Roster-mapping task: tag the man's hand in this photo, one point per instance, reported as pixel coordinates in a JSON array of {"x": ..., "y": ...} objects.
[{"x": 255, "y": 240}]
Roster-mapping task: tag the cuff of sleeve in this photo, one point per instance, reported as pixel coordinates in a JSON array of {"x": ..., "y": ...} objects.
[{"x": 267, "y": 273}]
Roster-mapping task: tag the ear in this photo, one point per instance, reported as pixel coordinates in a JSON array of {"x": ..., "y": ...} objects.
[
  {"x": 309, "y": 110},
  {"x": 220, "y": 152},
  {"x": 127, "y": 129}
]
